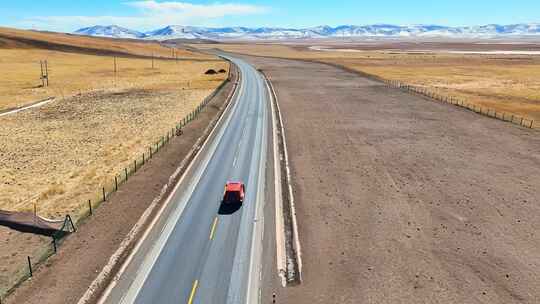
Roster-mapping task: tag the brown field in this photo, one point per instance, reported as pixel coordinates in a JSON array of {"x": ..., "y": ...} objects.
[
  {"x": 506, "y": 83},
  {"x": 402, "y": 200},
  {"x": 59, "y": 155},
  {"x": 13, "y": 38}
]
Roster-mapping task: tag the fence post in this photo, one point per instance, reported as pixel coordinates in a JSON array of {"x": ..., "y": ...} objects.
[
  {"x": 150, "y": 149},
  {"x": 143, "y": 158},
  {"x": 29, "y": 265},
  {"x": 54, "y": 244},
  {"x": 90, "y": 206},
  {"x": 532, "y": 121},
  {"x": 135, "y": 165},
  {"x": 125, "y": 170},
  {"x": 103, "y": 191},
  {"x": 115, "y": 183}
]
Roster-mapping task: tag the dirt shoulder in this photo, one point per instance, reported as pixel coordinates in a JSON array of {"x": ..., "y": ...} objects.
[
  {"x": 66, "y": 276},
  {"x": 403, "y": 200}
]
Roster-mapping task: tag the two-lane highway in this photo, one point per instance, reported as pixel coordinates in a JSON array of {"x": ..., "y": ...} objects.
[{"x": 198, "y": 251}]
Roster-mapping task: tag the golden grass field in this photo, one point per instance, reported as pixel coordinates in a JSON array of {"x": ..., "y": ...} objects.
[
  {"x": 506, "y": 83},
  {"x": 14, "y": 38},
  {"x": 72, "y": 73},
  {"x": 90, "y": 67},
  {"x": 60, "y": 155}
]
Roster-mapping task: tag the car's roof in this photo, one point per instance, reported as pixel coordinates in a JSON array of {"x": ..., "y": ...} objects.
[{"x": 234, "y": 186}]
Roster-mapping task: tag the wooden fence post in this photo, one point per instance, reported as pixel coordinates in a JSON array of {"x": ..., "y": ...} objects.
[
  {"x": 104, "y": 197},
  {"x": 90, "y": 206},
  {"x": 30, "y": 266},
  {"x": 125, "y": 170},
  {"x": 54, "y": 244},
  {"x": 115, "y": 183}
]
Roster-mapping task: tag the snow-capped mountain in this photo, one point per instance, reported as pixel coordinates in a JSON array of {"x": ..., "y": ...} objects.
[
  {"x": 112, "y": 31},
  {"x": 271, "y": 33}
]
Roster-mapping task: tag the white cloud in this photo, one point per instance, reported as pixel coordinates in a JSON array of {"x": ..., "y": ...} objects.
[
  {"x": 151, "y": 14},
  {"x": 185, "y": 9}
]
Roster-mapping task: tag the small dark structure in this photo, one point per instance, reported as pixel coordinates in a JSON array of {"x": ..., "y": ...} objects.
[
  {"x": 210, "y": 72},
  {"x": 30, "y": 223},
  {"x": 222, "y": 71}
]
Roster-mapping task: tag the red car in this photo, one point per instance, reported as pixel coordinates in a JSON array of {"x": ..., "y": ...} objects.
[{"x": 234, "y": 192}]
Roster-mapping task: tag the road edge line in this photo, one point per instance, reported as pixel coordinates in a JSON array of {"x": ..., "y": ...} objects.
[
  {"x": 254, "y": 291},
  {"x": 131, "y": 242},
  {"x": 296, "y": 238}
]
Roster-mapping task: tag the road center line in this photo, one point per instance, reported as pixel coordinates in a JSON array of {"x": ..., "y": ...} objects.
[
  {"x": 193, "y": 291},
  {"x": 213, "y": 228}
]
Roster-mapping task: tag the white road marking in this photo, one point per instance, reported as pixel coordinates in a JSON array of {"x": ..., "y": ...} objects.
[{"x": 39, "y": 104}]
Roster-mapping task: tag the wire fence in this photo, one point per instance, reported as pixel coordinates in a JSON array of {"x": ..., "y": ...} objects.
[
  {"x": 30, "y": 262},
  {"x": 122, "y": 177},
  {"x": 500, "y": 115}
]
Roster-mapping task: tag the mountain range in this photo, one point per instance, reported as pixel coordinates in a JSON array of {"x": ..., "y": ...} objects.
[{"x": 275, "y": 33}]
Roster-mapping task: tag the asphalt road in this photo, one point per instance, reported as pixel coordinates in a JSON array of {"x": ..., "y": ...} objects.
[{"x": 199, "y": 251}]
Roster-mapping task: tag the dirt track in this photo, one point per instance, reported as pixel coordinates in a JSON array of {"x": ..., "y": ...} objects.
[{"x": 405, "y": 200}]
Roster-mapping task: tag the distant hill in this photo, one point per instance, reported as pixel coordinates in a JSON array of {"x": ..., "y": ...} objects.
[
  {"x": 17, "y": 39},
  {"x": 112, "y": 31},
  {"x": 275, "y": 33}
]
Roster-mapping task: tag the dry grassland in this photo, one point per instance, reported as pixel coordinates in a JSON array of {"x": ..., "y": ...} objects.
[
  {"x": 72, "y": 73},
  {"x": 14, "y": 38},
  {"x": 505, "y": 83},
  {"x": 60, "y": 155}
]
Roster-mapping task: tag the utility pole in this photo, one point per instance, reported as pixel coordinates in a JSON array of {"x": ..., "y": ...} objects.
[
  {"x": 41, "y": 75},
  {"x": 44, "y": 73},
  {"x": 47, "y": 72}
]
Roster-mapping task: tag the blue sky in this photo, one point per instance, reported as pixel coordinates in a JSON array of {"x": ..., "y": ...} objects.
[{"x": 69, "y": 15}]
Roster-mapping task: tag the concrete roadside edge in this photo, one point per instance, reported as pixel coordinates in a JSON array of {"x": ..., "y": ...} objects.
[
  {"x": 285, "y": 263},
  {"x": 278, "y": 192},
  {"x": 117, "y": 260}
]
